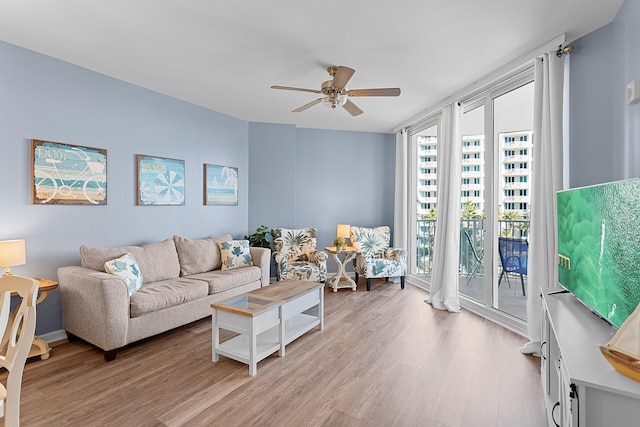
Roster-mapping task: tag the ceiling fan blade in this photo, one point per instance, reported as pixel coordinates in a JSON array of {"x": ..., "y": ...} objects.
[
  {"x": 390, "y": 91},
  {"x": 299, "y": 89},
  {"x": 352, "y": 108},
  {"x": 309, "y": 105},
  {"x": 342, "y": 77}
]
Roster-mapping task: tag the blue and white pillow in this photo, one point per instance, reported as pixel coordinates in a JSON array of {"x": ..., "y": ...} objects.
[
  {"x": 235, "y": 254},
  {"x": 126, "y": 267}
]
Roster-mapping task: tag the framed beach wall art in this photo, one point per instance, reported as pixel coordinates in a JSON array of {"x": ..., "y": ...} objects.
[
  {"x": 220, "y": 185},
  {"x": 66, "y": 174},
  {"x": 160, "y": 181}
]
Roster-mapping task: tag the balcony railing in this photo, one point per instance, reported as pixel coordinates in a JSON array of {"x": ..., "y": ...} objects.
[{"x": 426, "y": 231}]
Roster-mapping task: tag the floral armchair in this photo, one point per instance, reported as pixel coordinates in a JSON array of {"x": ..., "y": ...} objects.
[
  {"x": 296, "y": 256},
  {"x": 375, "y": 258}
]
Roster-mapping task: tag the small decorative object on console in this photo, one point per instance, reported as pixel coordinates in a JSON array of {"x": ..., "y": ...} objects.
[{"x": 623, "y": 351}]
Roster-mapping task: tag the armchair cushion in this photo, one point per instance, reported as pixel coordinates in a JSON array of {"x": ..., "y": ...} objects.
[
  {"x": 296, "y": 256},
  {"x": 373, "y": 242}
]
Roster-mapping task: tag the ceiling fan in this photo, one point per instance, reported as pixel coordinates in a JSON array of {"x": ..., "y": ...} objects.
[{"x": 335, "y": 94}]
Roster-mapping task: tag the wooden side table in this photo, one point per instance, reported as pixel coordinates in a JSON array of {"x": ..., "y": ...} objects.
[
  {"x": 341, "y": 279},
  {"x": 40, "y": 347}
]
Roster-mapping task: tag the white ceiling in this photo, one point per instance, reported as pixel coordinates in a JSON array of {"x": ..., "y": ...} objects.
[{"x": 225, "y": 54}]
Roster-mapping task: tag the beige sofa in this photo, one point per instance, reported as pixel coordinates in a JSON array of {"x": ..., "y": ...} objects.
[{"x": 182, "y": 277}]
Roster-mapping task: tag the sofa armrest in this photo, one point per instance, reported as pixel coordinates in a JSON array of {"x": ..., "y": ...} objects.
[
  {"x": 262, "y": 258},
  {"x": 95, "y": 306}
]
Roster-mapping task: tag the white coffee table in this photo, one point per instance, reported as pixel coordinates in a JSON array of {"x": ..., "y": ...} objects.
[{"x": 266, "y": 319}]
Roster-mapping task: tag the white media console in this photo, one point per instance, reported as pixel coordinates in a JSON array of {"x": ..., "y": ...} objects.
[{"x": 580, "y": 388}]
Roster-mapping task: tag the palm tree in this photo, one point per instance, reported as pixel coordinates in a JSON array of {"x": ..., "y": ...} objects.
[{"x": 514, "y": 221}]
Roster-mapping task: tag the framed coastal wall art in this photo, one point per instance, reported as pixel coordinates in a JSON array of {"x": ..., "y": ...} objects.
[
  {"x": 220, "y": 185},
  {"x": 67, "y": 174},
  {"x": 160, "y": 181}
]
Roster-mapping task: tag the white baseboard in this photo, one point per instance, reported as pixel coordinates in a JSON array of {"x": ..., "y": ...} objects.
[{"x": 54, "y": 336}]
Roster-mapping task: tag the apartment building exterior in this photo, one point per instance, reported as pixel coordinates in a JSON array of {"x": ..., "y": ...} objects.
[{"x": 514, "y": 174}]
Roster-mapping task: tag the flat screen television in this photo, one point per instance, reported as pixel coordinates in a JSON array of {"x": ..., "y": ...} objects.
[{"x": 599, "y": 247}]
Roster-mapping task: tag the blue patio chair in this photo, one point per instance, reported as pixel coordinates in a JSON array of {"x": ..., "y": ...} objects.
[{"x": 513, "y": 257}]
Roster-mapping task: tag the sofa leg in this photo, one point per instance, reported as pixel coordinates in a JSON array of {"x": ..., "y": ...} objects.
[
  {"x": 401, "y": 282},
  {"x": 356, "y": 278},
  {"x": 368, "y": 284},
  {"x": 110, "y": 355},
  {"x": 71, "y": 337}
]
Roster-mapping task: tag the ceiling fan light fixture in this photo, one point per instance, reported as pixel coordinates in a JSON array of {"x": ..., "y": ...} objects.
[
  {"x": 341, "y": 100},
  {"x": 328, "y": 102},
  {"x": 335, "y": 100}
]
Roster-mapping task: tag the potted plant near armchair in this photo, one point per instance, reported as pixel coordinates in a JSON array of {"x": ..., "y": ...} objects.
[{"x": 261, "y": 238}]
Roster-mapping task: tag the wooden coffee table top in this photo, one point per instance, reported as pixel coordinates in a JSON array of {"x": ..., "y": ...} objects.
[
  {"x": 286, "y": 289},
  {"x": 257, "y": 301}
]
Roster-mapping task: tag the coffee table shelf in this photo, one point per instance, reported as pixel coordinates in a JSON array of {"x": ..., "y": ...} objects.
[
  {"x": 298, "y": 325},
  {"x": 268, "y": 342},
  {"x": 237, "y": 348}
]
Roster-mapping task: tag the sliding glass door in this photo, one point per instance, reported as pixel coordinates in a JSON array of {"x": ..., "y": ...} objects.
[
  {"x": 472, "y": 204},
  {"x": 425, "y": 146},
  {"x": 513, "y": 156},
  {"x": 495, "y": 191}
]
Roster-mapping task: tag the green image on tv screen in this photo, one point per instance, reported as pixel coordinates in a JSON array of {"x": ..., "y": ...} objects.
[{"x": 599, "y": 247}]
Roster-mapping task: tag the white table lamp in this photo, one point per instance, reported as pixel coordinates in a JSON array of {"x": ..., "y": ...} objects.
[
  {"x": 12, "y": 253},
  {"x": 343, "y": 230}
]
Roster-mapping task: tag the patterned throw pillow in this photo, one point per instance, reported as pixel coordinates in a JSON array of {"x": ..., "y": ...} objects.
[
  {"x": 126, "y": 267},
  {"x": 235, "y": 254}
]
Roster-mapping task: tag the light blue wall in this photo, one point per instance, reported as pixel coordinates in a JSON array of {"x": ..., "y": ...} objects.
[
  {"x": 344, "y": 178},
  {"x": 320, "y": 178},
  {"x": 45, "y": 98},
  {"x": 590, "y": 107},
  {"x": 604, "y": 131},
  {"x": 287, "y": 177},
  {"x": 272, "y": 161},
  {"x": 625, "y": 68}
]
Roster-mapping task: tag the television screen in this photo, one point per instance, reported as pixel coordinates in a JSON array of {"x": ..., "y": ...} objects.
[{"x": 599, "y": 247}]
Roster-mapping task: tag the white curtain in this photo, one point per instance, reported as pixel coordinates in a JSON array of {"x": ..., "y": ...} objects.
[
  {"x": 444, "y": 279},
  {"x": 542, "y": 265},
  {"x": 400, "y": 212}
]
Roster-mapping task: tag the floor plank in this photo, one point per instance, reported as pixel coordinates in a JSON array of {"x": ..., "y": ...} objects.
[{"x": 385, "y": 358}]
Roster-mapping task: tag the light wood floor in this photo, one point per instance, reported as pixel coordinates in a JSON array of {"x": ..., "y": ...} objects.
[{"x": 384, "y": 358}]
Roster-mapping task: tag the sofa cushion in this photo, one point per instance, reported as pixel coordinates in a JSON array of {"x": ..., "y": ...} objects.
[
  {"x": 199, "y": 255},
  {"x": 235, "y": 254},
  {"x": 157, "y": 261},
  {"x": 166, "y": 293},
  {"x": 220, "y": 280},
  {"x": 126, "y": 267}
]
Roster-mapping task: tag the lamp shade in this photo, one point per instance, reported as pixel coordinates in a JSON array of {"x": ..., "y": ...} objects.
[
  {"x": 343, "y": 230},
  {"x": 12, "y": 253}
]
